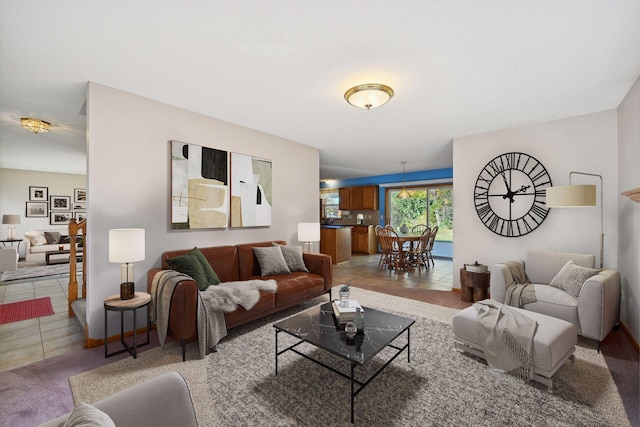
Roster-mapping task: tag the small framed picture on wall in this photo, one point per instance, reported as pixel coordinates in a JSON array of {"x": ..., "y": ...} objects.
[
  {"x": 60, "y": 203},
  {"x": 59, "y": 218},
  {"x": 37, "y": 209},
  {"x": 38, "y": 194},
  {"x": 80, "y": 216},
  {"x": 79, "y": 195},
  {"x": 80, "y": 207}
]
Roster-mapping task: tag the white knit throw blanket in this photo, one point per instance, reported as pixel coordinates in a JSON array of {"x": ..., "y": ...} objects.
[
  {"x": 507, "y": 338},
  {"x": 519, "y": 292},
  {"x": 213, "y": 302}
]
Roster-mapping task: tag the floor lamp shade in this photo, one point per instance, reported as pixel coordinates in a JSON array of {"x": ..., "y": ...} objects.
[
  {"x": 571, "y": 196},
  {"x": 126, "y": 245},
  {"x": 309, "y": 232}
]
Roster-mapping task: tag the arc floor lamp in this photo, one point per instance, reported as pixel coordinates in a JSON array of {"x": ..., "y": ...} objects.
[{"x": 578, "y": 196}]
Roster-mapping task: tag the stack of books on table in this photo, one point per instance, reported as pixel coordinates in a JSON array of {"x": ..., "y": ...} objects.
[{"x": 345, "y": 314}]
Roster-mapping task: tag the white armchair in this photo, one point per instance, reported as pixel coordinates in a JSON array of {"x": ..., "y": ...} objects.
[
  {"x": 8, "y": 259},
  {"x": 594, "y": 312}
]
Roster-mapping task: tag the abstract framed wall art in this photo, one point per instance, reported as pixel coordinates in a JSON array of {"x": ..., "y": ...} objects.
[
  {"x": 199, "y": 188},
  {"x": 251, "y": 191}
]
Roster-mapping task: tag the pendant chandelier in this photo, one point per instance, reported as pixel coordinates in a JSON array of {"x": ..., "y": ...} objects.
[
  {"x": 403, "y": 194},
  {"x": 35, "y": 125}
]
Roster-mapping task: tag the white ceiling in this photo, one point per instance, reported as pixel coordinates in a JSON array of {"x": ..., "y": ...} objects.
[{"x": 282, "y": 67}]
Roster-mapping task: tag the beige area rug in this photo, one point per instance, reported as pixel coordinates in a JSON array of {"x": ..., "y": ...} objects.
[{"x": 441, "y": 386}]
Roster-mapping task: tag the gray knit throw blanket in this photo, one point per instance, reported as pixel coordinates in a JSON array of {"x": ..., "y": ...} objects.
[
  {"x": 506, "y": 338},
  {"x": 212, "y": 304},
  {"x": 519, "y": 292}
]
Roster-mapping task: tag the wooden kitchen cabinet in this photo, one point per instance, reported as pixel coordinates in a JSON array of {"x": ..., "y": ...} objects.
[
  {"x": 359, "y": 198},
  {"x": 345, "y": 198},
  {"x": 335, "y": 241},
  {"x": 363, "y": 239}
]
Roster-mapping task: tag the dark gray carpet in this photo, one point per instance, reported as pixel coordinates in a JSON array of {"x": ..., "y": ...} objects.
[{"x": 237, "y": 385}]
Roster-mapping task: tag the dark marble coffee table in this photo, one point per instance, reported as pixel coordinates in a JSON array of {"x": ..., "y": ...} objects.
[{"x": 317, "y": 326}]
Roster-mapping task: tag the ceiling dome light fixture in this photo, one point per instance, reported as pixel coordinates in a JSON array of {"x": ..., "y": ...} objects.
[
  {"x": 35, "y": 125},
  {"x": 403, "y": 194},
  {"x": 368, "y": 96}
]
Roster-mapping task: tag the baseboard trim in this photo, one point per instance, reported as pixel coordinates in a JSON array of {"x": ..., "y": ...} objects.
[
  {"x": 634, "y": 343},
  {"x": 97, "y": 342}
]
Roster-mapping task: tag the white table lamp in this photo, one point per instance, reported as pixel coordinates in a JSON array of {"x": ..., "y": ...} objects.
[
  {"x": 126, "y": 245},
  {"x": 10, "y": 220},
  {"x": 309, "y": 232}
]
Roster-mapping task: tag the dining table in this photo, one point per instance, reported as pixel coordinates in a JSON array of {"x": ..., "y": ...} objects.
[{"x": 410, "y": 237}]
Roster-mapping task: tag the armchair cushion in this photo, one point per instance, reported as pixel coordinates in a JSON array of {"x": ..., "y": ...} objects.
[
  {"x": 571, "y": 278},
  {"x": 542, "y": 266}
]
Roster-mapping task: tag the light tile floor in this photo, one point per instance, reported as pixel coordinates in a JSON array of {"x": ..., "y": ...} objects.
[{"x": 29, "y": 341}]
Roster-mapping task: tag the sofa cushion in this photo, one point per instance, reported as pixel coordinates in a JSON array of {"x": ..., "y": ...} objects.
[
  {"x": 271, "y": 261},
  {"x": 293, "y": 257},
  {"x": 555, "y": 302},
  {"x": 297, "y": 286},
  {"x": 85, "y": 415},
  {"x": 542, "y": 266},
  {"x": 194, "y": 264},
  {"x": 248, "y": 266},
  {"x": 571, "y": 278}
]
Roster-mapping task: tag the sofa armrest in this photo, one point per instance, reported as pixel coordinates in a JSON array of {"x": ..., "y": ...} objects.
[
  {"x": 599, "y": 304},
  {"x": 500, "y": 277},
  {"x": 163, "y": 400},
  {"x": 26, "y": 243},
  {"x": 184, "y": 303},
  {"x": 319, "y": 264}
]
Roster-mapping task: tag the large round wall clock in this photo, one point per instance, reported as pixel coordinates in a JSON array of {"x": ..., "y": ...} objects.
[{"x": 510, "y": 194}]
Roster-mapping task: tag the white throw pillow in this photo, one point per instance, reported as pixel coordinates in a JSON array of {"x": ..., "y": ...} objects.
[
  {"x": 36, "y": 238},
  {"x": 571, "y": 277}
]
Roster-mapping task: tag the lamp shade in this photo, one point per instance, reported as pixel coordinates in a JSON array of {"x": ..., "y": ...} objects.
[
  {"x": 309, "y": 232},
  {"x": 11, "y": 219},
  {"x": 571, "y": 196},
  {"x": 126, "y": 245}
]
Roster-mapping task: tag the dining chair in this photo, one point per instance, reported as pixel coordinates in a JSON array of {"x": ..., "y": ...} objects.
[
  {"x": 419, "y": 228},
  {"x": 420, "y": 251},
  {"x": 432, "y": 239}
]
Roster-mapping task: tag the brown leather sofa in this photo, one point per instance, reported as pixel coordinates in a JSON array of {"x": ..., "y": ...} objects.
[{"x": 233, "y": 263}]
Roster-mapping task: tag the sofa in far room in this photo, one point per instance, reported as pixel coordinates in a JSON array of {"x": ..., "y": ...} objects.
[
  {"x": 240, "y": 263},
  {"x": 38, "y": 242}
]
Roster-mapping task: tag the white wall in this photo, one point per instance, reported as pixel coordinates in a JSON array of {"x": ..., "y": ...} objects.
[
  {"x": 629, "y": 211},
  {"x": 14, "y": 193},
  {"x": 129, "y": 178},
  {"x": 586, "y": 144}
]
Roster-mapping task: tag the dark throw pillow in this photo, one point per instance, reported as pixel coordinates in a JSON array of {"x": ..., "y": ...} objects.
[
  {"x": 293, "y": 257},
  {"x": 194, "y": 264},
  {"x": 271, "y": 261},
  {"x": 52, "y": 237}
]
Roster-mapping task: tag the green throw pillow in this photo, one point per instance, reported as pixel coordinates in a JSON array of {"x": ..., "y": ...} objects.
[{"x": 194, "y": 264}]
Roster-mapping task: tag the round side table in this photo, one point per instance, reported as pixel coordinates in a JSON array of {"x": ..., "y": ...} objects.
[{"x": 114, "y": 303}]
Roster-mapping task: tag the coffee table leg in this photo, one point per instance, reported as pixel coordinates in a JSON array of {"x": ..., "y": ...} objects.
[
  {"x": 277, "y": 351},
  {"x": 409, "y": 344}
]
